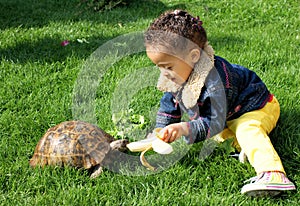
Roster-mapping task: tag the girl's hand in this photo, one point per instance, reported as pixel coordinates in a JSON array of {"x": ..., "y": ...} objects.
[{"x": 173, "y": 132}]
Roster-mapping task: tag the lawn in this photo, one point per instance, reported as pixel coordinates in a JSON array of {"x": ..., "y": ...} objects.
[{"x": 41, "y": 82}]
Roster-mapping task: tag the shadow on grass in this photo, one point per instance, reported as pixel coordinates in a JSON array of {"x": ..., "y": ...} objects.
[
  {"x": 30, "y": 14},
  {"x": 49, "y": 49}
]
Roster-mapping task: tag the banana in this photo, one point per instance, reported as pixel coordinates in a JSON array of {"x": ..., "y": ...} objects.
[
  {"x": 161, "y": 147},
  {"x": 154, "y": 142},
  {"x": 141, "y": 145}
]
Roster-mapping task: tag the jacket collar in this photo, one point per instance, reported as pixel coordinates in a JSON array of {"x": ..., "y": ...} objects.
[{"x": 189, "y": 92}]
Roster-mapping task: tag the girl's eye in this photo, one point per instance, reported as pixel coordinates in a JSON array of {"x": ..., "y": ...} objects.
[{"x": 165, "y": 67}]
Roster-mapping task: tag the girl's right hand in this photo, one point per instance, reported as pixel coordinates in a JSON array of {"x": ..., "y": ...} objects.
[{"x": 174, "y": 131}]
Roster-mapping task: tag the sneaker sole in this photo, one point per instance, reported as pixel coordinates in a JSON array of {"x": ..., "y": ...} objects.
[
  {"x": 263, "y": 193},
  {"x": 266, "y": 190}
]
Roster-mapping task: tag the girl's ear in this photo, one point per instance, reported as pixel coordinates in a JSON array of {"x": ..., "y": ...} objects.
[{"x": 195, "y": 55}]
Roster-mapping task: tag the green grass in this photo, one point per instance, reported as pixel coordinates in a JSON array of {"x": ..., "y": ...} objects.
[{"x": 37, "y": 77}]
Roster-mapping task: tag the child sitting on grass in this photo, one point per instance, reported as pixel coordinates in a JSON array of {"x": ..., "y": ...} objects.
[{"x": 216, "y": 95}]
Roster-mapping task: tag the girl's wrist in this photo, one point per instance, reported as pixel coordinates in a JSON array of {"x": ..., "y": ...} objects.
[{"x": 185, "y": 128}]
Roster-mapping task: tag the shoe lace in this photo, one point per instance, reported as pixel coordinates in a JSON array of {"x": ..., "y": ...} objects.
[{"x": 254, "y": 179}]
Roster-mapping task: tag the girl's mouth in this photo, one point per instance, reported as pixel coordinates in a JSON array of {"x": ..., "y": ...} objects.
[{"x": 173, "y": 80}]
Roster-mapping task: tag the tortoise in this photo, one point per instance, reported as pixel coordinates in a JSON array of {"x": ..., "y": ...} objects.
[{"x": 78, "y": 144}]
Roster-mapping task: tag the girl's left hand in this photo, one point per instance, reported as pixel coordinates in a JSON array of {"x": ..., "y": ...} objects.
[{"x": 174, "y": 131}]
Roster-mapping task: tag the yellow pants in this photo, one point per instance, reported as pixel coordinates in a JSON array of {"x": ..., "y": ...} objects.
[{"x": 251, "y": 132}]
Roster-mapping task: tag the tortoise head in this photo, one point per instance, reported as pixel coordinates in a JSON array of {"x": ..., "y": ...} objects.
[{"x": 119, "y": 145}]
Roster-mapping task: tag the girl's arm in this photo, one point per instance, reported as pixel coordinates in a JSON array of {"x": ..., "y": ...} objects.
[
  {"x": 169, "y": 112},
  {"x": 210, "y": 121}
]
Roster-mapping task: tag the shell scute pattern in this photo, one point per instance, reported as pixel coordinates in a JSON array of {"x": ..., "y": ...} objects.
[{"x": 73, "y": 143}]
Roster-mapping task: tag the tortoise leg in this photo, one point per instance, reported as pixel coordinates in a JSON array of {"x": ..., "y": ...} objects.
[{"x": 97, "y": 171}]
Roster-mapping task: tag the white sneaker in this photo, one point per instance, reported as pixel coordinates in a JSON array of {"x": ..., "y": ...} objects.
[{"x": 267, "y": 184}]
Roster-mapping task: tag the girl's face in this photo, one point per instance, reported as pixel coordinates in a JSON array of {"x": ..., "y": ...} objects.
[{"x": 172, "y": 67}]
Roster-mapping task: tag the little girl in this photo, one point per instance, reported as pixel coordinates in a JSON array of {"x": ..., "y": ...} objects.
[{"x": 216, "y": 95}]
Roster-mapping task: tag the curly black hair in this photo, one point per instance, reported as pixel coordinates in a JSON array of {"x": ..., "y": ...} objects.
[{"x": 171, "y": 25}]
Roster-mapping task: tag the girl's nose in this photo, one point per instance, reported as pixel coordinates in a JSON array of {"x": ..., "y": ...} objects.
[{"x": 164, "y": 72}]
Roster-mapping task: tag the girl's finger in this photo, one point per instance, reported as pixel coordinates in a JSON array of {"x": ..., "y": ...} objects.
[
  {"x": 173, "y": 136},
  {"x": 165, "y": 135}
]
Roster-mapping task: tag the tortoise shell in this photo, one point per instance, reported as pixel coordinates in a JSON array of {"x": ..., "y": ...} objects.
[{"x": 72, "y": 143}]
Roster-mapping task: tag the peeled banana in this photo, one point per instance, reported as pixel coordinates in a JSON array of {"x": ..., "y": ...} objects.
[
  {"x": 161, "y": 147},
  {"x": 153, "y": 142},
  {"x": 141, "y": 145}
]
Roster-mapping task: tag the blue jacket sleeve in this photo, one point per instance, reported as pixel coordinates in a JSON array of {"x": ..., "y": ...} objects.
[
  {"x": 169, "y": 112},
  {"x": 212, "y": 105},
  {"x": 211, "y": 120}
]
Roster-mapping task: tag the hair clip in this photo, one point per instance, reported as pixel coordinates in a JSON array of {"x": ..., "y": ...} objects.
[{"x": 197, "y": 22}]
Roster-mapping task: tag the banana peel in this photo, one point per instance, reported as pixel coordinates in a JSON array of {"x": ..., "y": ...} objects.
[
  {"x": 154, "y": 142},
  {"x": 144, "y": 161}
]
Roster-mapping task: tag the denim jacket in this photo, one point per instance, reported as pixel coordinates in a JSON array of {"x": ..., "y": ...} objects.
[{"x": 229, "y": 91}]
